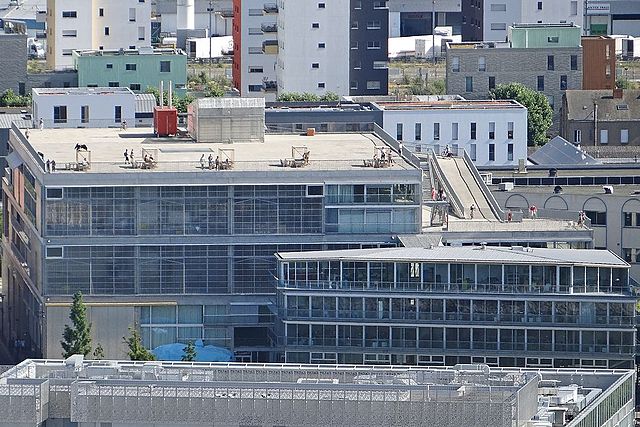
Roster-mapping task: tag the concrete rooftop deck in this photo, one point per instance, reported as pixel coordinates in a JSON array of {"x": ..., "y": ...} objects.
[{"x": 328, "y": 152}]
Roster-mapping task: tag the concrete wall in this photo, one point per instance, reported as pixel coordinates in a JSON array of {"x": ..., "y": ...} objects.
[
  {"x": 13, "y": 62},
  {"x": 52, "y": 79},
  {"x": 298, "y": 47},
  {"x": 110, "y": 325}
]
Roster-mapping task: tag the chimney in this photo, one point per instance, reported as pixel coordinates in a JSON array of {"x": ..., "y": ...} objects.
[
  {"x": 617, "y": 93},
  {"x": 161, "y": 93},
  {"x": 170, "y": 94}
]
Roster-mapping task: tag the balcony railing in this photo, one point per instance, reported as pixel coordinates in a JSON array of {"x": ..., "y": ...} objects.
[
  {"x": 270, "y": 47},
  {"x": 393, "y": 287},
  {"x": 270, "y": 8},
  {"x": 270, "y": 85},
  {"x": 341, "y": 315},
  {"x": 269, "y": 28}
]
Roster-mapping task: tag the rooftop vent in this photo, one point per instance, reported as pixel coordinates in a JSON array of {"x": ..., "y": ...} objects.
[{"x": 622, "y": 107}]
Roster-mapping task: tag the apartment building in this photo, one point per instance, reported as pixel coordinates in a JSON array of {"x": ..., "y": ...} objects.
[
  {"x": 598, "y": 62},
  {"x": 169, "y": 12},
  {"x": 562, "y": 308},
  {"x": 95, "y": 24},
  {"x": 543, "y": 57},
  {"x": 83, "y": 107},
  {"x": 136, "y": 69},
  {"x": 497, "y": 16},
  {"x": 255, "y": 50},
  {"x": 492, "y": 132},
  {"x": 601, "y": 118},
  {"x": 344, "y": 49},
  {"x": 180, "y": 249}
]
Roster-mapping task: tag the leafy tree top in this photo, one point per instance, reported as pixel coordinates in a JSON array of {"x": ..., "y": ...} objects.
[{"x": 539, "y": 112}]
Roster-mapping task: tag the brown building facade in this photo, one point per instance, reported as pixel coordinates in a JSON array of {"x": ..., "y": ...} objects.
[{"x": 598, "y": 62}]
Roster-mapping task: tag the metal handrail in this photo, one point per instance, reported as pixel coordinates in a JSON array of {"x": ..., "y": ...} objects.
[
  {"x": 495, "y": 207},
  {"x": 454, "y": 201}
]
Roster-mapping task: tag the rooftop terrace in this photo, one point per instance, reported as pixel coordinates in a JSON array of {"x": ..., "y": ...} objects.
[{"x": 327, "y": 151}]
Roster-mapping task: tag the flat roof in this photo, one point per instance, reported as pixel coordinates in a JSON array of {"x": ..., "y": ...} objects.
[
  {"x": 130, "y": 52},
  {"x": 41, "y": 91},
  {"x": 327, "y": 151},
  {"x": 484, "y": 104},
  {"x": 469, "y": 254}
]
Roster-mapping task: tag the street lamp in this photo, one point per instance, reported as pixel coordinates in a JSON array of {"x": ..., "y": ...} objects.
[
  {"x": 210, "y": 10},
  {"x": 433, "y": 30}
]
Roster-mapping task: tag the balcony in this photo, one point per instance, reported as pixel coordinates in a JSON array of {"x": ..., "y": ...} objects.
[
  {"x": 269, "y": 85},
  {"x": 226, "y": 13},
  {"x": 270, "y": 8},
  {"x": 269, "y": 28},
  {"x": 270, "y": 47}
]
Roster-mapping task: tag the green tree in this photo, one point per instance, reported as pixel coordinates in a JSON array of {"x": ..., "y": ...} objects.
[
  {"x": 10, "y": 99},
  {"x": 623, "y": 83},
  {"x": 98, "y": 352},
  {"x": 539, "y": 112},
  {"x": 213, "y": 90},
  {"x": 189, "y": 352},
  {"x": 180, "y": 102},
  {"x": 136, "y": 350},
  {"x": 77, "y": 338}
]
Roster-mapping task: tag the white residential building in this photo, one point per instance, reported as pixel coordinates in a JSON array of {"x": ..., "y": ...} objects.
[
  {"x": 83, "y": 107},
  {"x": 255, "y": 49},
  {"x": 492, "y": 132},
  {"x": 95, "y": 24},
  {"x": 499, "y": 14},
  {"x": 314, "y": 46}
]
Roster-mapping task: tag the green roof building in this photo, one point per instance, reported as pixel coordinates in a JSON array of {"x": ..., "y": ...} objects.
[
  {"x": 136, "y": 69},
  {"x": 544, "y": 35}
]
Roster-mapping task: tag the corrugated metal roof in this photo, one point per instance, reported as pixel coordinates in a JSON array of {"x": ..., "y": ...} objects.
[
  {"x": 471, "y": 254},
  {"x": 7, "y": 119},
  {"x": 230, "y": 102},
  {"x": 145, "y": 102}
]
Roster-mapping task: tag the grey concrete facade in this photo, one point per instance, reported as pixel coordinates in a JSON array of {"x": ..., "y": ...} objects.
[
  {"x": 13, "y": 62},
  {"x": 505, "y": 65},
  {"x": 52, "y": 79}
]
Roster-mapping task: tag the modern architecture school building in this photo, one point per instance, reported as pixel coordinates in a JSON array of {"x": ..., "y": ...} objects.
[
  {"x": 137, "y": 69},
  {"x": 189, "y": 394},
  {"x": 492, "y": 132},
  {"x": 543, "y": 57},
  {"x": 182, "y": 245},
  {"x": 96, "y": 24},
  {"x": 344, "y": 49},
  {"x": 525, "y": 307}
]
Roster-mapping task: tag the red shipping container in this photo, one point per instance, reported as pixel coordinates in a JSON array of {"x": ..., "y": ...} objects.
[{"x": 165, "y": 121}]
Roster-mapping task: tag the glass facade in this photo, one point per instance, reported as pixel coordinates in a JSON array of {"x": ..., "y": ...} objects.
[
  {"x": 550, "y": 315},
  {"x": 175, "y": 269},
  {"x": 178, "y": 210}
]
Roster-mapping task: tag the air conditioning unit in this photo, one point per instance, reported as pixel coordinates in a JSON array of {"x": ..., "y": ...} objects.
[{"x": 505, "y": 186}]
